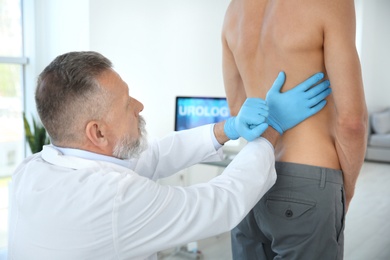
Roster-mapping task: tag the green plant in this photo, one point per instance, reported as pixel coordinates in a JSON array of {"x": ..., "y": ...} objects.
[{"x": 36, "y": 139}]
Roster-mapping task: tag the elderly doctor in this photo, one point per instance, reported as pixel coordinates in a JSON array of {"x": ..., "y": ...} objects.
[{"x": 92, "y": 193}]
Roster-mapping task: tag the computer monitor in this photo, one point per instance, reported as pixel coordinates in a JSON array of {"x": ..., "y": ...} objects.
[{"x": 196, "y": 111}]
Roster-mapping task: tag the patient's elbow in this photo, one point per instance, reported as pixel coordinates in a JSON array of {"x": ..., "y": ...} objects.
[{"x": 353, "y": 125}]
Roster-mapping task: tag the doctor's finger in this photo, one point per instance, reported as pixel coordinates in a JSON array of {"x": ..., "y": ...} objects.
[
  {"x": 314, "y": 91},
  {"x": 320, "y": 97},
  {"x": 308, "y": 83}
]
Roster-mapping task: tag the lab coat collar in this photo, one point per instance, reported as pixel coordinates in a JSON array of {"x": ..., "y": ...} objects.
[{"x": 77, "y": 159}]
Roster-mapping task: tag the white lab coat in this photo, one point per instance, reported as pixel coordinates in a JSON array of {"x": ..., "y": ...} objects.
[{"x": 64, "y": 207}]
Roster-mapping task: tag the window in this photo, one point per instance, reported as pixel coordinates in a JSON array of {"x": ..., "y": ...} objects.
[
  {"x": 12, "y": 68},
  {"x": 12, "y": 65}
]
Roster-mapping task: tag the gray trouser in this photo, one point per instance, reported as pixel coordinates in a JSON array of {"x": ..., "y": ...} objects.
[{"x": 301, "y": 217}]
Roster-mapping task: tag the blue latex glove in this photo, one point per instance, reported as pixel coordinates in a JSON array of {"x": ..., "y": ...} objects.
[
  {"x": 250, "y": 122},
  {"x": 288, "y": 109}
]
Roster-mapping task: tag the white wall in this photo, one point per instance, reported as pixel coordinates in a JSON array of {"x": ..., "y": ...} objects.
[
  {"x": 161, "y": 49},
  {"x": 375, "y": 52}
]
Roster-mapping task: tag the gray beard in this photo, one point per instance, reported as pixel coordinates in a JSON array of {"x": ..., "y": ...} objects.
[{"x": 129, "y": 147}]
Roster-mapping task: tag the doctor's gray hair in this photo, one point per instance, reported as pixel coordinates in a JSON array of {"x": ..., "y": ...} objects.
[{"x": 68, "y": 95}]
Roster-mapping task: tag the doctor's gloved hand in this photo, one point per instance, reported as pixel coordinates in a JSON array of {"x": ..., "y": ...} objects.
[
  {"x": 289, "y": 108},
  {"x": 250, "y": 121}
]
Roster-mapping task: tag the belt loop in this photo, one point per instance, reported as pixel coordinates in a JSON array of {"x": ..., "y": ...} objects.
[{"x": 323, "y": 179}]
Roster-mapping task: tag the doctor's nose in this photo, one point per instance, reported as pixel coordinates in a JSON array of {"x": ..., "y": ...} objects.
[{"x": 139, "y": 106}]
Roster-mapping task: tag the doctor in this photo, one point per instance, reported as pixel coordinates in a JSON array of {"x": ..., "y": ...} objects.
[{"x": 92, "y": 193}]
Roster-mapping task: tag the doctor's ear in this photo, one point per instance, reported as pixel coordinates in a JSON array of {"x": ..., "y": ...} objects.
[{"x": 95, "y": 132}]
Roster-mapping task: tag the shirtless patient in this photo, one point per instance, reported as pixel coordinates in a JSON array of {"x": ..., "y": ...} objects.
[{"x": 318, "y": 162}]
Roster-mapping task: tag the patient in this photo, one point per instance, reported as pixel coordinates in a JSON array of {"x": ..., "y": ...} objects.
[{"x": 318, "y": 162}]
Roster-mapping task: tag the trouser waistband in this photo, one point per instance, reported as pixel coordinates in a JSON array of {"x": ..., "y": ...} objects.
[{"x": 309, "y": 172}]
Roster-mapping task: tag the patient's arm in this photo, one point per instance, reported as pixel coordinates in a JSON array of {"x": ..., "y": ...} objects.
[
  {"x": 343, "y": 68},
  {"x": 235, "y": 92}
]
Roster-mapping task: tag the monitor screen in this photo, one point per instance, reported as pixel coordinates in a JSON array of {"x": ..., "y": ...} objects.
[{"x": 196, "y": 111}]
